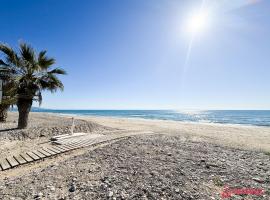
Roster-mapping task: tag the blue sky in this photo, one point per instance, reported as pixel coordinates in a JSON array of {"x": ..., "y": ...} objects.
[{"x": 132, "y": 54}]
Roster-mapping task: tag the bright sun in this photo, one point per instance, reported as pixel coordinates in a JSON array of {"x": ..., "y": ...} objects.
[{"x": 197, "y": 22}]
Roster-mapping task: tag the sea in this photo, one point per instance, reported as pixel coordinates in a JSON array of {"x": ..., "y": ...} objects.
[{"x": 241, "y": 117}]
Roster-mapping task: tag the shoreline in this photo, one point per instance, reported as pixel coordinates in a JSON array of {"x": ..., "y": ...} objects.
[
  {"x": 255, "y": 138},
  {"x": 157, "y": 120}
]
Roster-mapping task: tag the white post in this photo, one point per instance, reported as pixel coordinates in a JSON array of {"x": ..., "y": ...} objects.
[
  {"x": 72, "y": 126},
  {"x": 1, "y": 90}
]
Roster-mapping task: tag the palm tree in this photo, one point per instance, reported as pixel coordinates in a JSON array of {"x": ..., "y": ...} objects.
[
  {"x": 8, "y": 93},
  {"x": 8, "y": 97},
  {"x": 32, "y": 73}
]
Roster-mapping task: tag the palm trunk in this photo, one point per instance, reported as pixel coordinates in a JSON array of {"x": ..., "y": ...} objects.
[
  {"x": 3, "y": 112},
  {"x": 24, "y": 107}
]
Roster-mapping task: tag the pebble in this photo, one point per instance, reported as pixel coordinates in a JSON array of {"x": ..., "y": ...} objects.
[
  {"x": 110, "y": 194},
  {"x": 39, "y": 195},
  {"x": 74, "y": 179},
  {"x": 258, "y": 180},
  {"x": 72, "y": 188},
  {"x": 52, "y": 188}
]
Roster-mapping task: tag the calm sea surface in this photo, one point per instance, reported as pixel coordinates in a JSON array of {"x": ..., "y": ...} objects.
[{"x": 244, "y": 117}]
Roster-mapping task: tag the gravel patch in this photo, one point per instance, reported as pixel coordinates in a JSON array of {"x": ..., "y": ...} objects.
[{"x": 146, "y": 167}]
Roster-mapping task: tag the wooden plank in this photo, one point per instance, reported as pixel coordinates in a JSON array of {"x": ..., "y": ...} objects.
[
  {"x": 90, "y": 142},
  {"x": 62, "y": 150},
  {"x": 68, "y": 147},
  {"x": 65, "y": 148},
  {"x": 34, "y": 155},
  {"x": 71, "y": 146},
  {"x": 76, "y": 144},
  {"x": 83, "y": 143},
  {"x": 40, "y": 155},
  {"x": 49, "y": 151},
  {"x": 58, "y": 136},
  {"x": 62, "y": 147},
  {"x": 86, "y": 143},
  {"x": 44, "y": 152},
  {"x": 27, "y": 157},
  {"x": 69, "y": 141},
  {"x": 57, "y": 151},
  {"x": 4, "y": 164},
  {"x": 20, "y": 159},
  {"x": 12, "y": 162},
  {"x": 67, "y": 136}
]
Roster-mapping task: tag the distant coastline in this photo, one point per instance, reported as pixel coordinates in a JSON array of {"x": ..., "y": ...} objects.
[{"x": 235, "y": 117}]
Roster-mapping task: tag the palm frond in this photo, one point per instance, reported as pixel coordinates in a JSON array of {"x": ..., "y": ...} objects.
[
  {"x": 58, "y": 71},
  {"x": 51, "y": 82},
  {"x": 27, "y": 53},
  {"x": 3, "y": 64},
  {"x": 44, "y": 62},
  {"x": 11, "y": 56},
  {"x": 42, "y": 55}
]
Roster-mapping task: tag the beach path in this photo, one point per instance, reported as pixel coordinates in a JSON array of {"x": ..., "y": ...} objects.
[{"x": 63, "y": 145}]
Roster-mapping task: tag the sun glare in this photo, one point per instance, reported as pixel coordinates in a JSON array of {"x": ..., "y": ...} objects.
[{"x": 197, "y": 22}]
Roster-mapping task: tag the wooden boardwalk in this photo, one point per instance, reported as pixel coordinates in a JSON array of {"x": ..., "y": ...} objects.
[{"x": 60, "y": 146}]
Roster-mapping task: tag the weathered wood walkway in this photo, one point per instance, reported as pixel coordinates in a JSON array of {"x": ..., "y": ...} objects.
[{"x": 61, "y": 146}]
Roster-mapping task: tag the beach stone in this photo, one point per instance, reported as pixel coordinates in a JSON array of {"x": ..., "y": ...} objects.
[
  {"x": 74, "y": 179},
  {"x": 259, "y": 180},
  {"x": 124, "y": 195},
  {"x": 52, "y": 188},
  {"x": 39, "y": 195},
  {"x": 72, "y": 188},
  {"x": 110, "y": 194}
]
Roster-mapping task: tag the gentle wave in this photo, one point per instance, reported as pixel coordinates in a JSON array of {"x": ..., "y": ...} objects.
[{"x": 242, "y": 117}]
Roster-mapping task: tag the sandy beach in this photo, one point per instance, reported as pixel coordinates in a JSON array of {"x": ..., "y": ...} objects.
[
  {"x": 238, "y": 136},
  {"x": 178, "y": 161}
]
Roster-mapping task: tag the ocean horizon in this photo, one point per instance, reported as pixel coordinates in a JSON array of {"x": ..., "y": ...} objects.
[{"x": 241, "y": 117}]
